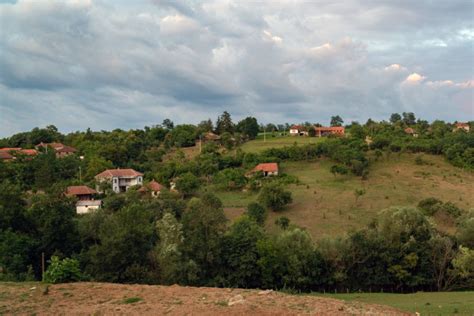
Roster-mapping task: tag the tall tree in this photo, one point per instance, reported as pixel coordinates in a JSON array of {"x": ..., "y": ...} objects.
[
  {"x": 409, "y": 118},
  {"x": 248, "y": 127},
  {"x": 204, "y": 224},
  {"x": 336, "y": 120},
  {"x": 224, "y": 123},
  {"x": 395, "y": 117}
]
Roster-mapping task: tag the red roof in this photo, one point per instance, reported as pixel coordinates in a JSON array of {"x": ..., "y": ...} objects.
[
  {"x": 59, "y": 147},
  {"x": 152, "y": 186},
  {"x": 66, "y": 149},
  {"x": 29, "y": 152},
  {"x": 409, "y": 130},
  {"x": 460, "y": 124},
  {"x": 80, "y": 190},
  {"x": 5, "y": 155},
  {"x": 266, "y": 167},
  {"x": 298, "y": 127},
  {"x": 119, "y": 173},
  {"x": 330, "y": 128}
]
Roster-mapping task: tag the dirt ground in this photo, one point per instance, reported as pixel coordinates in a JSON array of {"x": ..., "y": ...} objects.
[{"x": 119, "y": 299}]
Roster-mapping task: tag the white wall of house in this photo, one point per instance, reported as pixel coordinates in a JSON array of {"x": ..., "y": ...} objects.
[
  {"x": 82, "y": 207},
  {"x": 294, "y": 132}
]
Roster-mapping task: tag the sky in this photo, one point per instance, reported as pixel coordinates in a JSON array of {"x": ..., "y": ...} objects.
[{"x": 129, "y": 64}]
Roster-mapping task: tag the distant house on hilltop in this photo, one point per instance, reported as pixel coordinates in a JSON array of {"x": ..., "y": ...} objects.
[
  {"x": 60, "y": 149},
  {"x": 8, "y": 153},
  {"x": 120, "y": 179},
  {"x": 411, "y": 131},
  {"x": 463, "y": 126},
  {"x": 267, "y": 169},
  {"x": 333, "y": 130},
  {"x": 298, "y": 130},
  {"x": 6, "y": 156},
  {"x": 210, "y": 137},
  {"x": 153, "y": 187}
]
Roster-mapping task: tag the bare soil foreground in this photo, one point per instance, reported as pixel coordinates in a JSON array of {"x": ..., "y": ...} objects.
[{"x": 116, "y": 299}]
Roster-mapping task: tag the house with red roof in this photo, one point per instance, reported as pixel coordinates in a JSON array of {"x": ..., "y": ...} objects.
[
  {"x": 267, "y": 169},
  {"x": 120, "y": 179},
  {"x": 411, "y": 131},
  {"x": 60, "y": 149},
  {"x": 10, "y": 153},
  {"x": 6, "y": 156},
  {"x": 85, "y": 198},
  {"x": 152, "y": 187},
  {"x": 462, "y": 126}
]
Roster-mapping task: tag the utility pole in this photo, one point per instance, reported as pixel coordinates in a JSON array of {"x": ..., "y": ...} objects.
[
  {"x": 264, "y": 134},
  {"x": 42, "y": 265},
  {"x": 200, "y": 143}
]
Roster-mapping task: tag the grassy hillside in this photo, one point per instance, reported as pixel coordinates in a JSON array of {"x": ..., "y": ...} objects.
[
  {"x": 326, "y": 205},
  {"x": 260, "y": 144},
  {"x": 432, "y": 303}
]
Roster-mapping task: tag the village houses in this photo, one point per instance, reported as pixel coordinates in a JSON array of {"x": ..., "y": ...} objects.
[
  {"x": 298, "y": 130},
  {"x": 61, "y": 150}
]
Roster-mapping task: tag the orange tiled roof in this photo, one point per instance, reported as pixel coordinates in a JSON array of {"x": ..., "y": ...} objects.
[
  {"x": 152, "y": 186},
  {"x": 266, "y": 167},
  {"x": 80, "y": 190},
  {"x": 119, "y": 173}
]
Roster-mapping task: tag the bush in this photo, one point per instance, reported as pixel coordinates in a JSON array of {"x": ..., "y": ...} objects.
[
  {"x": 430, "y": 206},
  {"x": 274, "y": 197},
  {"x": 62, "y": 271},
  {"x": 230, "y": 179},
  {"x": 257, "y": 212}
]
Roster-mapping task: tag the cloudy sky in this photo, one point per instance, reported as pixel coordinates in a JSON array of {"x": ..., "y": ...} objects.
[{"x": 126, "y": 64}]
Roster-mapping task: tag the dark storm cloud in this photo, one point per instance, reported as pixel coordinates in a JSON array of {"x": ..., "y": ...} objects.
[{"x": 108, "y": 64}]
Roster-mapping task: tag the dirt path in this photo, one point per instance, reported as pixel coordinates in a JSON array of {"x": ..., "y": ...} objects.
[{"x": 118, "y": 299}]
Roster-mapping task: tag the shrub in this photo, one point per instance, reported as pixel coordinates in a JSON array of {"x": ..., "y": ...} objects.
[
  {"x": 257, "y": 212},
  {"x": 62, "y": 271},
  {"x": 230, "y": 179},
  {"x": 274, "y": 197},
  {"x": 430, "y": 206}
]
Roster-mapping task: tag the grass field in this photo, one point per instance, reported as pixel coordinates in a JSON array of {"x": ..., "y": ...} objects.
[
  {"x": 425, "y": 303},
  {"x": 259, "y": 144},
  {"x": 326, "y": 205}
]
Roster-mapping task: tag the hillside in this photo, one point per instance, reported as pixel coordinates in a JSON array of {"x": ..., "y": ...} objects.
[
  {"x": 326, "y": 205},
  {"x": 106, "y": 299}
]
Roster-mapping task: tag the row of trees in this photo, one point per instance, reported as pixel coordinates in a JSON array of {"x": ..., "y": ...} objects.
[{"x": 170, "y": 240}]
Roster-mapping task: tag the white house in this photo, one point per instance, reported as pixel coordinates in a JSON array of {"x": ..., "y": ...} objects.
[
  {"x": 120, "y": 179},
  {"x": 297, "y": 130}
]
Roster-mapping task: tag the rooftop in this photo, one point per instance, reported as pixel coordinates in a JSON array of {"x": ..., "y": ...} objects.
[
  {"x": 80, "y": 190},
  {"x": 126, "y": 173},
  {"x": 266, "y": 167}
]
